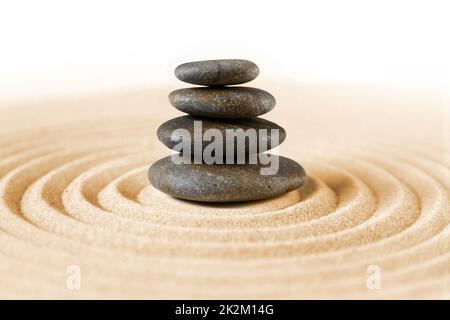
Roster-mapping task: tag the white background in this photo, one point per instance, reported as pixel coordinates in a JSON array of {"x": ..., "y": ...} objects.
[{"x": 70, "y": 47}]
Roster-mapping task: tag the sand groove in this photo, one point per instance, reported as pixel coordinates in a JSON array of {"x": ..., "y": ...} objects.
[{"x": 77, "y": 194}]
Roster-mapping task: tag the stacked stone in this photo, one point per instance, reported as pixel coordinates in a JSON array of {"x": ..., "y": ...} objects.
[{"x": 222, "y": 106}]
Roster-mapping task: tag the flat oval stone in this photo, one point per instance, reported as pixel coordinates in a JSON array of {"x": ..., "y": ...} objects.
[
  {"x": 187, "y": 122},
  {"x": 224, "y": 183},
  {"x": 217, "y": 72},
  {"x": 227, "y": 102}
]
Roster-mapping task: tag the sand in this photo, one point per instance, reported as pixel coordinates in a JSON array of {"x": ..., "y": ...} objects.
[{"x": 74, "y": 192}]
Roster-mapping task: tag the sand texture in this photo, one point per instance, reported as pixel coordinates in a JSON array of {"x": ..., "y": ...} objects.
[{"x": 74, "y": 191}]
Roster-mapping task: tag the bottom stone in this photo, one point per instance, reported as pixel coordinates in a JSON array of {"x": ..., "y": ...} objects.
[{"x": 224, "y": 182}]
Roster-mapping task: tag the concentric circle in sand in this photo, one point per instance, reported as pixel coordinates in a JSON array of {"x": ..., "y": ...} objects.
[{"x": 73, "y": 191}]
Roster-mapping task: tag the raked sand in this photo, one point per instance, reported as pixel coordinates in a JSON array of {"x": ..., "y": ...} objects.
[{"x": 74, "y": 192}]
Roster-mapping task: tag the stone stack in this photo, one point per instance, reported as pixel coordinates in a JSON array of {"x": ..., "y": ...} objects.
[{"x": 222, "y": 106}]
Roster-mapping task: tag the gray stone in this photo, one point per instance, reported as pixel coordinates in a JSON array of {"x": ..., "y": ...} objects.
[
  {"x": 224, "y": 183},
  {"x": 187, "y": 122},
  {"x": 217, "y": 72},
  {"x": 227, "y": 102}
]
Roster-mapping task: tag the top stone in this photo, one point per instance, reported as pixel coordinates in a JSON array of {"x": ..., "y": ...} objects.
[{"x": 217, "y": 72}]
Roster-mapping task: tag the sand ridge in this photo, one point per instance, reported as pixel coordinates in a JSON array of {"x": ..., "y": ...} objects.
[{"x": 73, "y": 191}]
